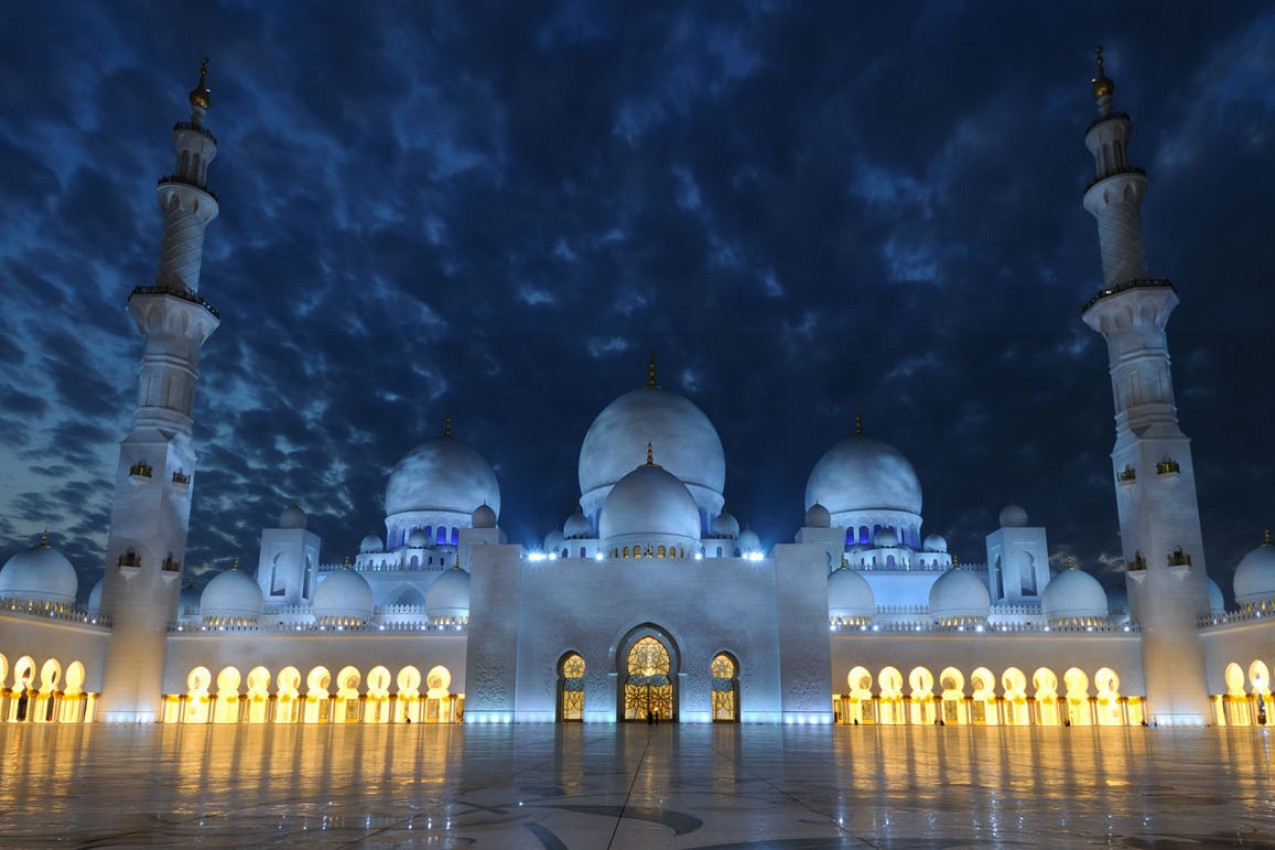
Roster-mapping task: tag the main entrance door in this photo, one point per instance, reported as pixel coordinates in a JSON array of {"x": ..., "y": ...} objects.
[{"x": 649, "y": 681}]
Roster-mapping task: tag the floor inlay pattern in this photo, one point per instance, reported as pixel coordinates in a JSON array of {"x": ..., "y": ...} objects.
[{"x": 583, "y": 787}]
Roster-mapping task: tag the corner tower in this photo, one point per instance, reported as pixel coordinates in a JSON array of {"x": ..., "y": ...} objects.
[
  {"x": 1154, "y": 477},
  {"x": 156, "y": 474}
]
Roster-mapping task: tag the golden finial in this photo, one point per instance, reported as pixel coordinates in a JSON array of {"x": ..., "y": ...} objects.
[
  {"x": 956, "y": 564},
  {"x": 1071, "y": 562},
  {"x": 650, "y": 371},
  {"x": 650, "y": 455},
  {"x": 1266, "y": 538},
  {"x": 235, "y": 565},
  {"x": 44, "y": 538},
  {"x": 447, "y": 426},
  {"x": 1103, "y": 86},
  {"x": 347, "y": 562},
  {"x": 858, "y": 424},
  {"x": 200, "y": 95}
]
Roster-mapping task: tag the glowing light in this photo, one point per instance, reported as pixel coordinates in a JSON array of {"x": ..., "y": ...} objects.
[
  {"x": 754, "y": 556},
  {"x": 597, "y": 556},
  {"x": 536, "y": 556},
  {"x": 699, "y": 556}
]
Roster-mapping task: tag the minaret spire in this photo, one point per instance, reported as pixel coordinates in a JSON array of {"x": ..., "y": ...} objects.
[
  {"x": 155, "y": 478},
  {"x": 1153, "y": 473}
]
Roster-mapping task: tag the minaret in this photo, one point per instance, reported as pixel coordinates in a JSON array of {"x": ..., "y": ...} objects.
[
  {"x": 1153, "y": 475},
  {"x": 151, "y": 512}
]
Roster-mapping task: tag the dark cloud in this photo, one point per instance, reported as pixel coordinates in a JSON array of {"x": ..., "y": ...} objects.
[{"x": 495, "y": 210}]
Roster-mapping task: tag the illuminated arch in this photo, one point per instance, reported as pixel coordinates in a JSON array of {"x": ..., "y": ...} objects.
[
  {"x": 1014, "y": 687},
  {"x": 1259, "y": 678},
  {"x": 377, "y": 706},
  {"x": 440, "y": 705},
  {"x": 346, "y": 704},
  {"x": 647, "y": 663},
  {"x": 983, "y": 705},
  {"x": 725, "y": 696},
  {"x": 288, "y": 695},
  {"x": 226, "y": 708},
  {"x": 890, "y": 701},
  {"x": 407, "y": 705},
  {"x": 197, "y": 708},
  {"x": 4, "y": 671},
  {"x": 571, "y": 669},
  {"x": 258, "y": 695},
  {"x": 858, "y": 707},
  {"x": 318, "y": 702},
  {"x": 921, "y": 683},
  {"x": 1045, "y": 681},
  {"x": 74, "y": 703},
  {"x": 1079, "y": 712},
  {"x": 1109, "y": 707}
]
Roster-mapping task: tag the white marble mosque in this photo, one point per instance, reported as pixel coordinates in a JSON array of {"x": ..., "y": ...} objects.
[{"x": 651, "y": 601}]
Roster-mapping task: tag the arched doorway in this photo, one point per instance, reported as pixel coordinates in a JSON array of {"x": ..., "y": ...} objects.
[
  {"x": 648, "y": 666},
  {"x": 571, "y": 688},
  {"x": 725, "y": 689}
]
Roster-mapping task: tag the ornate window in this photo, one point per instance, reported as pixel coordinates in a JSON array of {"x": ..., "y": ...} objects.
[
  {"x": 572, "y": 688},
  {"x": 725, "y": 690},
  {"x": 648, "y": 689}
]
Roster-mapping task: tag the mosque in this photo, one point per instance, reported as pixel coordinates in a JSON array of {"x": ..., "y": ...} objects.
[{"x": 650, "y": 602}]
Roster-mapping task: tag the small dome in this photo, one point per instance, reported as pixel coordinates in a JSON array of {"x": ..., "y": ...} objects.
[
  {"x": 418, "y": 539},
  {"x": 959, "y": 597},
  {"x": 749, "y": 542},
  {"x": 231, "y": 595},
  {"x": 1074, "y": 596},
  {"x": 863, "y": 474},
  {"x": 441, "y": 475},
  {"x": 1012, "y": 516},
  {"x": 94, "y": 604},
  {"x": 649, "y": 501},
  {"x": 935, "y": 543},
  {"x": 1254, "y": 581},
  {"x": 577, "y": 526},
  {"x": 483, "y": 517},
  {"x": 40, "y": 574},
  {"x": 887, "y": 538},
  {"x": 818, "y": 517},
  {"x": 850, "y": 597},
  {"x": 554, "y": 541},
  {"x": 447, "y": 599},
  {"x": 725, "y": 525},
  {"x": 1217, "y": 603},
  {"x": 343, "y": 597},
  {"x": 292, "y": 517},
  {"x": 371, "y": 543}
]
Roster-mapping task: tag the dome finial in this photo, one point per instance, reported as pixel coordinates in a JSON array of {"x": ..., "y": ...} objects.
[
  {"x": 650, "y": 455},
  {"x": 1071, "y": 562},
  {"x": 650, "y": 371},
  {"x": 347, "y": 562},
  {"x": 44, "y": 538},
  {"x": 1266, "y": 538},
  {"x": 956, "y": 564},
  {"x": 1102, "y": 85},
  {"x": 235, "y": 565},
  {"x": 858, "y": 424},
  {"x": 447, "y": 425},
  {"x": 200, "y": 96}
]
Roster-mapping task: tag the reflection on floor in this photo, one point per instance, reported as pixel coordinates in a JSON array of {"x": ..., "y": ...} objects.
[{"x": 635, "y": 786}]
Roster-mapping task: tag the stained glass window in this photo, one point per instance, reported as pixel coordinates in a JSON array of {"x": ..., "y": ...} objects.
[
  {"x": 573, "y": 688},
  {"x": 725, "y": 687},
  {"x": 648, "y": 690}
]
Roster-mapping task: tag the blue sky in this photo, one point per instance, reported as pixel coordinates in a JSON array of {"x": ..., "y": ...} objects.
[{"x": 493, "y": 209}]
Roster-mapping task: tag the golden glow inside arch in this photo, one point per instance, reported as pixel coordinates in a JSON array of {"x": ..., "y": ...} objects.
[
  {"x": 571, "y": 688},
  {"x": 648, "y": 686}
]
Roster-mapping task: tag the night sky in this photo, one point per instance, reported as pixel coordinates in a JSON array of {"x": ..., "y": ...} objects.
[{"x": 497, "y": 209}]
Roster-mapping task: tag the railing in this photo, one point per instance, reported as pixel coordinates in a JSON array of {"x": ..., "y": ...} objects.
[
  {"x": 1128, "y": 169},
  {"x": 175, "y": 180},
  {"x": 989, "y": 629},
  {"x": 48, "y": 611},
  {"x": 1135, "y": 283},
  {"x": 310, "y": 628},
  {"x": 203, "y": 131},
  {"x": 1241, "y": 616},
  {"x": 183, "y": 294}
]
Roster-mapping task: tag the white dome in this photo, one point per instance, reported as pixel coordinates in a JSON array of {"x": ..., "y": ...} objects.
[
  {"x": 959, "y": 596},
  {"x": 448, "y": 597},
  {"x": 1217, "y": 602},
  {"x": 1254, "y": 581},
  {"x": 886, "y": 539},
  {"x": 483, "y": 517},
  {"x": 577, "y": 526},
  {"x": 441, "y": 475},
  {"x": 850, "y": 596},
  {"x": 418, "y": 539},
  {"x": 649, "y": 501},
  {"x": 1012, "y": 516},
  {"x": 725, "y": 525},
  {"x": 685, "y": 442},
  {"x": 94, "y": 604},
  {"x": 1074, "y": 595},
  {"x": 343, "y": 597},
  {"x": 818, "y": 517},
  {"x": 749, "y": 541},
  {"x": 40, "y": 574},
  {"x": 371, "y": 543},
  {"x": 231, "y": 595},
  {"x": 860, "y": 474},
  {"x": 935, "y": 543},
  {"x": 292, "y": 517}
]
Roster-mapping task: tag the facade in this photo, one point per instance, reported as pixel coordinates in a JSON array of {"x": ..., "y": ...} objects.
[{"x": 650, "y": 602}]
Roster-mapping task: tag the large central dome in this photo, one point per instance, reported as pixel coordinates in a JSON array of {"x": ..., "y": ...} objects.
[
  {"x": 442, "y": 475},
  {"x": 685, "y": 442},
  {"x": 863, "y": 474}
]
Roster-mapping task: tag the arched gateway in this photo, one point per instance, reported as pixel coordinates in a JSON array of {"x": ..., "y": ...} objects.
[{"x": 648, "y": 664}]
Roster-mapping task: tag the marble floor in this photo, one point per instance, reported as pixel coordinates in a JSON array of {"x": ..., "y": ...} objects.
[{"x": 555, "y": 787}]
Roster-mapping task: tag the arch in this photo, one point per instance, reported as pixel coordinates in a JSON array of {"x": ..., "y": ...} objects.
[
  {"x": 75, "y": 676},
  {"x": 226, "y": 708},
  {"x": 440, "y": 704},
  {"x": 1235, "y": 703},
  {"x": 1235, "y": 680},
  {"x": 407, "y": 706},
  {"x": 1109, "y": 707},
  {"x": 890, "y": 700},
  {"x": 377, "y": 705},
  {"x": 4, "y": 671},
  {"x": 1014, "y": 686},
  {"x": 50, "y": 675},
  {"x": 648, "y": 663},
  {"x": 318, "y": 701},
  {"x": 74, "y": 702},
  {"x": 571, "y": 668},
  {"x": 725, "y": 698},
  {"x": 983, "y": 704},
  {"x": 197, "y": 708},
  {"x": 952, "y": 687},
  {"x": 1259, "y": 677},
  {"x": 410, "y": 597},
  {"x": 288, "y": 695},
  {"x": 1045, "y": 681},
  {"x": 346, "y": 704},
  {"x": 1078, "y": 709},
  {"x": 921, "y": 683},
  {"x": 258, "y": 695},
  {"x": 857, "y": 707}
]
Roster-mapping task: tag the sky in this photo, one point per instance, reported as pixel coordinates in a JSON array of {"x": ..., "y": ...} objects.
[{"x": 496, "y": 210}]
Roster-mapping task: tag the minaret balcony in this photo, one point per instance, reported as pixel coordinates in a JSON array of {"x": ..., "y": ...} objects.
[
  {"x": 183, "y": 294},
  {"x": 181, "y": 480},
  {"x": 1128, "y": 169},
  {"x": 195, "y": 128},
  {"x": 1135, "y": 283},
  {"x": 170, "y": 568},
  {"x": 1136, "y": 568},
  {"x": 1179, "y": 563},
  {"x": 1127, "y": 476},
  {"x": 1168, "y": 470},
  {"x": 140, "y": 473},
  {"x": 178, "y": 180},
  {"x": 129, "y": 564}
]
